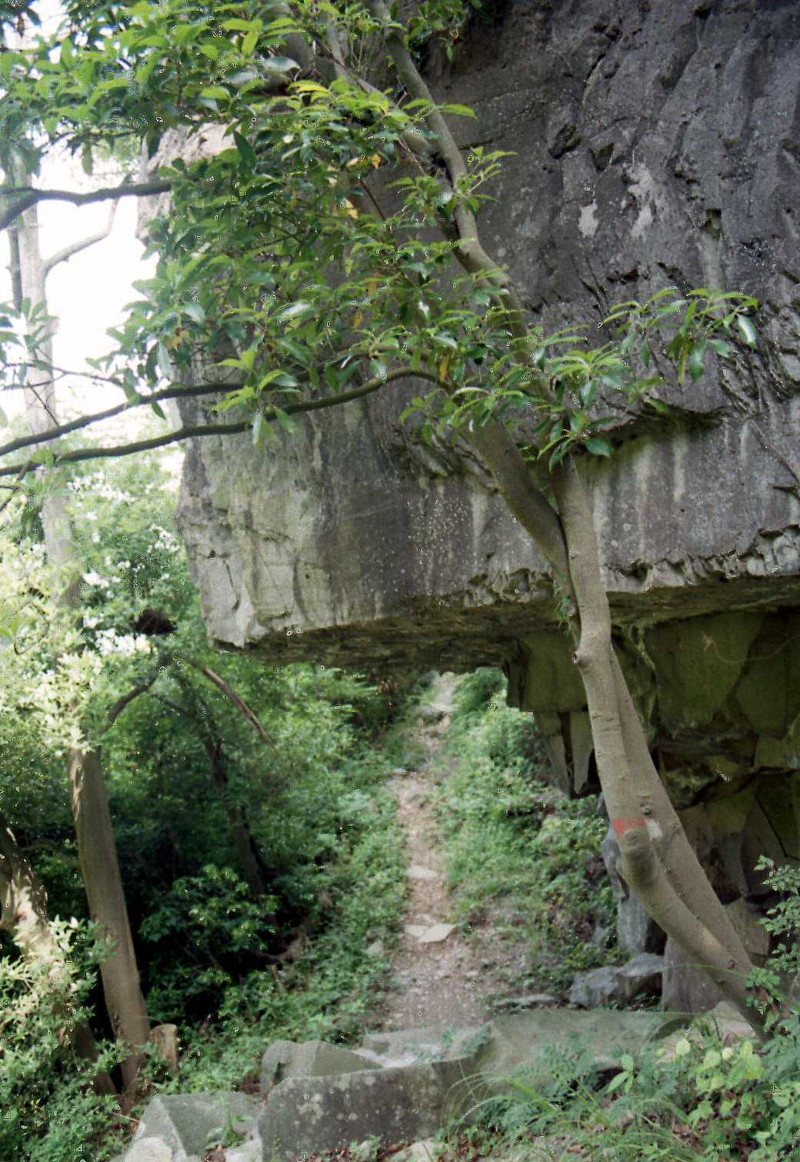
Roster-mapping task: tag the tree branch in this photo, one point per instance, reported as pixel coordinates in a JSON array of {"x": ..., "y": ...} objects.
[
  {"x": 59, "y": 430},
  {"x": 30, "y": 197},
  {"x": 76, "y": 247},
  {"x": 117, "y": 707},
  {"x": 78, "y": 455},
  {"x": 239, "y": 702}
]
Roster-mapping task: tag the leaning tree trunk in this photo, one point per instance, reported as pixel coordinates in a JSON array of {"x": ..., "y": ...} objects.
[
  {"x": 657, "y": 859},
  {"x": 88, "y": 795}
]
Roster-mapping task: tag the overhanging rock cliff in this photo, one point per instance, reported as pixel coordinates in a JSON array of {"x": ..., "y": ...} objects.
[{"x": 653, "y": 145}]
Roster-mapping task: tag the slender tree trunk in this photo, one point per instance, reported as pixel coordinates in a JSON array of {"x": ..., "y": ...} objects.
[
  {"x": 658, "y": 862},
  {"x": 242, "y": 838},
  {"x": 88, "y": 795},
  {"x": 97, "y": 853},
  {"x": 663, "y": 871}
]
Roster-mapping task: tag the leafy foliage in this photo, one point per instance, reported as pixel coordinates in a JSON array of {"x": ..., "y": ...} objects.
[
  {"x": 515, "y": 850},
  {"x": 49, "y": 1109}
]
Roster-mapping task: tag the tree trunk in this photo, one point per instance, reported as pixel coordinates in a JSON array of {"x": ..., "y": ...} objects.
[
  {"x": 97, "y": 853},
  {"x": 23, "y": 907},
  {"x": 96, "y": 846},
  {"x": 658, "y": 862}
]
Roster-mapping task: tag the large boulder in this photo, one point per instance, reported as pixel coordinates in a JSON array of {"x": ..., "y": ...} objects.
[{"x": 652, "y": 145}]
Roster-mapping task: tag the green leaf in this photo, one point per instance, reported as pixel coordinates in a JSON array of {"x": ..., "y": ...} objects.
[
  {"x": 458, "y": 110},
  {"x": 284, "y": 379},
  {"x": 216, "y": 92},
  {"x": 280, "y": 64},
  {"x": 246, "y": 151},
  {"x": 195, "y": 312},
  {"x": 258, "y": 424},
  {"x": 696, "y": 363},
  {"x": 747, "y": 329},
  {"x": 163, "y": 361},
  {"x": 296, "y": 310},
  {"x": 598, "y": 446},
  {"x": 157, "y": 408},
  {"x": 617, "y": 1082}
]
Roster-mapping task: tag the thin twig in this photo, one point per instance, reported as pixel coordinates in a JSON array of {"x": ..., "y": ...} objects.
[
  {"x": 247, "y": 713},
  {"x": 78, "y": 455}
]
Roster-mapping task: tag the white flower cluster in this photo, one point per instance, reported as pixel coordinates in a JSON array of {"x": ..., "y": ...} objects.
[
  {"x": 95, "y": 580},
  {"x": 108, "y": 641}
]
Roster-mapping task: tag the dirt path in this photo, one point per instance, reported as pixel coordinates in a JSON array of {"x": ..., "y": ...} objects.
[{"x": 438, "y": 976}]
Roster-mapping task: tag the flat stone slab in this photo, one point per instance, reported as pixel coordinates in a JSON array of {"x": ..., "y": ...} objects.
[
  {"x": 433, "y": 1043},
  {"x": 525, "y": 1040},
  {"x": 285, "y": 1059},
  {"x": 417, "y": 872},
  {"x": 307, "y": 1114},
  {"x": 430, "y": 933}
]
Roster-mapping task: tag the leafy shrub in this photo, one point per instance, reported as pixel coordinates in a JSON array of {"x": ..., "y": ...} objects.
[
  {"x": 516, "y": 849},
  {"x": 330, "y": 989},
  {"x": 218, "y": 926},
  {"x": 48, "y": 1110}
]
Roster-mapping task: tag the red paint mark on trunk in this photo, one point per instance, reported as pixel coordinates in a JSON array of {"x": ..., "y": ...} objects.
[{"x": 622, "y": 825}]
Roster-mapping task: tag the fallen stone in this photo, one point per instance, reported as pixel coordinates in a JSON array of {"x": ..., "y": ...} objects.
[
  {"x": 600, "y": 986},
  {"x": 433, "y": 1043},
  {"x": 149, "y": 1150},
  {"x": 248, "y": 1152},
  {"x": 725, "y": 1022},
  {"x": 417, "y": 872},
  {"x": 189, "y": 1123},
  {"x": 642, "y": 975},
  {"x": 729, "y": 1023},
  {"x": 525, "y": 1040},
  {"x": 307, "y": 1114},
  {"x": 430, "y": 933},
  {"x": 285, "y": 1059},
  {"x": 427, "y": 1151}
]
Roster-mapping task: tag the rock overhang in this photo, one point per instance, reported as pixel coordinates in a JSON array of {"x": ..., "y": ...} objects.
[{"x": 654, "y": 148}]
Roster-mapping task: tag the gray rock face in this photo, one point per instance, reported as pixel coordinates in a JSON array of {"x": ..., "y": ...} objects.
[
  {"x": 653, "y": 145},
  {"x": 182, "y": 1127},
  {"x": 285, "y": 1059},
  {"x": 398, "y": 1104}
]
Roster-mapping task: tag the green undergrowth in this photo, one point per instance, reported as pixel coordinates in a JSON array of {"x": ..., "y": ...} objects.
[
  {"x": 519, "y": 856},
  {"x": 701, "y": 1094},
  {"x": 330, "y": 991},
  {"x": 696, "y": 1097}
]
